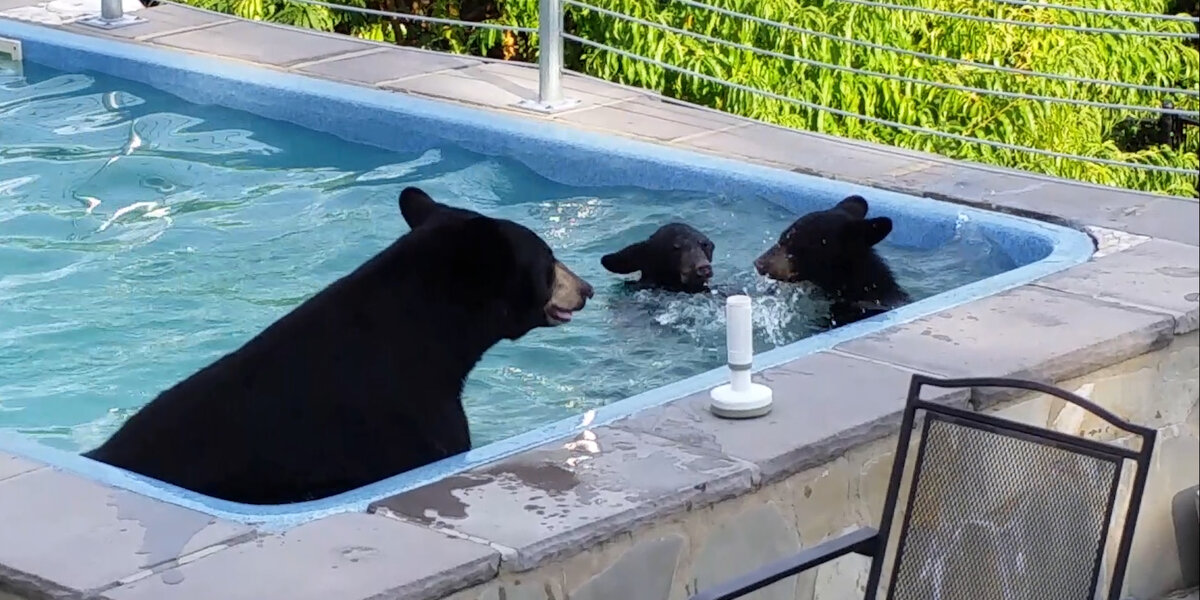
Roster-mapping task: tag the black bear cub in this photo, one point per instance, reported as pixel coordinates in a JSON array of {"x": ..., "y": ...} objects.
[
  {"x": 677, "y": 257},
  {"x": 363, "y": 380},
  {"x": 834, "y": 249}
]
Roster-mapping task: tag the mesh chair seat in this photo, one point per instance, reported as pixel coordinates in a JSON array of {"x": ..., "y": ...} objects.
[{"x": 995, "y": 516}]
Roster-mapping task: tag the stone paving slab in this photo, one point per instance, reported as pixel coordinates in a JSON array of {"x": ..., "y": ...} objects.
[
  {"x": 464, "y": 86},
  {"x": 82, "y": 536},
  {"x": 991, "y": 338},
  {"x": 504, "y": 85},
  {"x": 11, "y": 466},
  {"x": 570, "y": 494},
  {"x": 814, "y": 155},
  {"x": 384, "y": 64},
  {"x": 350, "y": 556},
  {"x": 1157, "y": 275},
  {"x": 261, "y": 43},
  {"x": 9, "y": 4},
  {"x": 1169, "y": 219},
  {"x": 168, "y": 18},
  {"x": 1146, "y": 214},
  {"x": 817, "y": 415},
  {"x": 651, "y": 118},
  {"x": 59, "y": 12},
  {"x": 579, "y": 87}
]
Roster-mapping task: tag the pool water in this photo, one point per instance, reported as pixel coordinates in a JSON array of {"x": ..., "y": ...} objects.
[{"x": 142, "y": 237}]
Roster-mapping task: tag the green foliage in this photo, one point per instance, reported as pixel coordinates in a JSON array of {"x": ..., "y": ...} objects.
[{"x": 1070, "y": 129}]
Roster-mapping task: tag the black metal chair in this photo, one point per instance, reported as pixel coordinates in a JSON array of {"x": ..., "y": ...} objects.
[{"x": 993, "y": 509}]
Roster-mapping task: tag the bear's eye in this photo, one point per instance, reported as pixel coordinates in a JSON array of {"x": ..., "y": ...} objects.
[{"x": 824, "y": 241}]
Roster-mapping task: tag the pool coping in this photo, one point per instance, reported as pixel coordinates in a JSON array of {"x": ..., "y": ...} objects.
[{"x": 1108, "y": 323}]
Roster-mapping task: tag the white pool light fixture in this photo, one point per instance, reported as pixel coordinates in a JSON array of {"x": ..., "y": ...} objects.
[{"x": 740, "y": 398}]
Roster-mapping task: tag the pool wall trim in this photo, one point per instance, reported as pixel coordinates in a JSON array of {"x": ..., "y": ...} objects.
[{"x": 190, "y": 76}]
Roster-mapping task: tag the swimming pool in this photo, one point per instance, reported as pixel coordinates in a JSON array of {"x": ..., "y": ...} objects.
[
  {"x": 147, "y": 237},
  {"x": 330, "y": 204}
]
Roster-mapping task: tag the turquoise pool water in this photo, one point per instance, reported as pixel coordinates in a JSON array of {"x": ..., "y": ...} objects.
[{"x": 142, "y": 237}]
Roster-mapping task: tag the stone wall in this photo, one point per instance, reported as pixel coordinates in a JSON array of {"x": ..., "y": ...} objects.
[{"x": 671, "y": 559}]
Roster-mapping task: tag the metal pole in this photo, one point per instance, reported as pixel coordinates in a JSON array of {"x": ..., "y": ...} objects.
[
  {"x": 550, "y": 61},
  {"x": 112, "y": 16},
  {"x": 111, "y": 10},
  {"x": 550, "y": 58}
]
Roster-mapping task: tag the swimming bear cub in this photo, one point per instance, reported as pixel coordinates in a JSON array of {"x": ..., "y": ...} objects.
[
  {"x": 676, "y": 257},
  {"x": 835, "y": 249}
]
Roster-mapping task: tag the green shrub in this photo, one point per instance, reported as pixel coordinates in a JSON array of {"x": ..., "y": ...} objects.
[{"x": 1064, "y": 128}]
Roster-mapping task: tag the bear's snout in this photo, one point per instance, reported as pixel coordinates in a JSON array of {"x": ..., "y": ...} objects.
[
  {"x": 774, "y": 263},
  {"x": 569, "y": 295},
  {"x": 695, "y": 269}
]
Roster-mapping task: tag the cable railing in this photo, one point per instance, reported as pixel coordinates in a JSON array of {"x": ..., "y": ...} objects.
[
  {"x": 1158, "y": 102},
  {"x": 877, "y": 120},
  {"x": 891, "y": 76},
  {"x": 997, "y": 21},
  {"x": 935, "y": 57},
  {"x": 1097, "y": 11}
]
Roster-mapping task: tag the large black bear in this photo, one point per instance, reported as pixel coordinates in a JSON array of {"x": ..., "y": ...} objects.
[
  {"x": 835, "y": 249},
  {"x": 363, "y": 380}
]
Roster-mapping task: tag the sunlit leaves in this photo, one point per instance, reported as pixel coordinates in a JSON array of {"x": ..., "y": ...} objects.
[
  {"x": 1052, "y": 126},
  {"x": 1057, "y": 127}
]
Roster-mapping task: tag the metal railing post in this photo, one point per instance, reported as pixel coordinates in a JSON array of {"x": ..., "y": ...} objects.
[
  {"x": 112, "y": 16},
  {"x": 550, "y": 60},
  {"x": 111, "y": 10}
]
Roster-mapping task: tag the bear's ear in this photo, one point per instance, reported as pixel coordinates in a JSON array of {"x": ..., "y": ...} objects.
[
  {"x": 867, "y": 232},
  {"x": 626, "y": 260},
  {"x": 854, "y": 205},
  {"x": 416, "y": 206}
]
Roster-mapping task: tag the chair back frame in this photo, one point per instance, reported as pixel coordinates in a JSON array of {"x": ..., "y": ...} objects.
[{"x": 1092, "y": 448}]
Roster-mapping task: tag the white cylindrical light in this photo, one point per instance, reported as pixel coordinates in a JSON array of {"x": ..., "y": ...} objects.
[
  {"x": 741, "y": 398},
  {"x": 739, "y": 341}
]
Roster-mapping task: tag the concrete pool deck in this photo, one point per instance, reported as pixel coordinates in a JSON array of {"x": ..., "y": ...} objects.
[{"x": 605, "y": 514}]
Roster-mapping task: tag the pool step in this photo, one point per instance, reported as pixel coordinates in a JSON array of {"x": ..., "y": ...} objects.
[{"x": 12, "y": 48}]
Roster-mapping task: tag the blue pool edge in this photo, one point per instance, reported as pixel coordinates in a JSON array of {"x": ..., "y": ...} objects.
[{"x": 1068, "y": 248}]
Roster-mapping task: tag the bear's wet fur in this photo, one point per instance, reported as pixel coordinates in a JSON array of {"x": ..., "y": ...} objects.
[
  {"x": 676, "y": 257},
  {"x": 363, "y": 380},
  {"x": 835, "y": 249}
]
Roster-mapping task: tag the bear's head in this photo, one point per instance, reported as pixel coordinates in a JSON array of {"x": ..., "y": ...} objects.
[
  {"x": 828, "y": 247},
  {"x": 676, "y": 257},
  {"x": 499, "y": 268}
]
